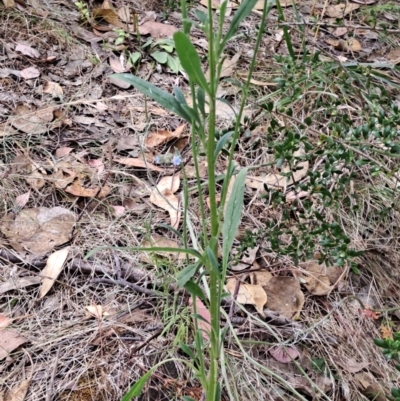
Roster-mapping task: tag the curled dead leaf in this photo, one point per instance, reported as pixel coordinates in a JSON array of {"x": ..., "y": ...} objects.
[
  {"x": 77, "y": 189},
  {"x": 162, "y": 136},
  {"x": 38, "y": 230},
  {"x": 340, "y": 10},
  {"x": 316, "y": 279},
  {"x": 284, "y": 296},
  {"x": 52, "y": 270},
  {"x": 156, "y": 29},
  {"x": 140, "y": 163},
  {"x": 248, "y": 294},
  {"x": 95, "y": 310},
  {"x": 9, "y": 341}
]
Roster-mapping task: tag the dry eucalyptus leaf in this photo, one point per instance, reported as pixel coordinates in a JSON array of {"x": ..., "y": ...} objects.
[
  {"x": 18, "y": 393},
  {"x": 52, "y": 270},
  {"x": 9, "y": 3},
  {"x": 29, "y": 73},
  {"x": 33, "y": 122},
  {"x": 262, "y": 277},
  {"x": 340, "y": 10},
  {"x": 54, "y": 89},
  {"x": 139, "y": 162},
  {"x": 351, "y": 365},
  {"x": 284, "y": 296},
  {"x": 38, "y": 230},
  {"x": 156, "y": 29},
  {"x": 61, "y": 152},
  {"x": 95, "y": 310},
  {"x": 77, "y": 189},
  {"x": 22, "y": 200},
  {"x": 247, "y": 260},
  {"x": 229, "y": 65},
  {"x": 162, "y": 242},
  {"x": 162, "y": 136},
  {"x": 169, "y": 202},
  {"x": 108, "y": 15},
  {"x": 4, "y": 321},
  {"x": 317, "y": 281},
  {"x": 369, "y": 386},
  {"x": 284, "y": 354},
  {"x": 125, "y": 15},
  {"x": 115, "y": 64},
  {"x": 277, "y": 180},
  {"x": 9, "y": 341},
  {"x": 18, "y": 283},
  {"x": 27, "y": 50},
  {"x": 248, "y": 294},
  {"x": 170, "y": 183},
  {"x": 118, "y": 210},
  {"x": 36, "y": 180},
  {"x": 349, "y": 45}
]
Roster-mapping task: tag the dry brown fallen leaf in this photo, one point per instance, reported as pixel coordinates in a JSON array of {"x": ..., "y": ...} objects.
[
  {"x": 162, "y": 136},
  {"x": 52, "y": 270},
  {"x": 22, "y": 200},
  {"x": 369, "y": 386},
  {"x": 9, "y": 3},
  {"x": 118, "y": 210},
  {"x": 315, "y": 278},
  {"x": 54, "y": 89},
  {"x": 340, "y": 10},
  {"x": 247, "y": 260},
  {"x": 115, "y": 64},
  {"x": 284, "y": 296},
  {"x": 4, "y": 321},
  {"x": 29, "y": 73},
  {"x": 17, "y": 283},
  {"x": 9, "y": 341},
  {"x": 157, "y": 30},
  {"x": 108, "y": 15},
  {"x": 259, "y": 5},
  {"x": 32, "y": 122},
  {"x": 27, "y": 50},
  {"x": 229, "y": 65},
  {"x": 18, "y": 393},
  {"x": 138, "y": 162},
  {"x": 262, "y": 277},
  {"x": 38, "y": 230},
  {"x": 248, "y": 294},
  {"x": 284, "y": 354},
  {"x": 349, "y": 45},
  {"x": 163, "y": 196},
  {"x": 77, "y": 189},
  {"x": 351, "y": 365},
  {"x": 95, "y": 310},
  {"x": 277, "y": 180}
]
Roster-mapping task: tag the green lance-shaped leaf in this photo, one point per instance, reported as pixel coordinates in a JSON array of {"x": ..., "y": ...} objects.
[
  {"x": 137, "y": 388},
  {"x": 190, "y": 60},
  {"x": 232, "y": 215},
  {"x": 161, "y": 97}
]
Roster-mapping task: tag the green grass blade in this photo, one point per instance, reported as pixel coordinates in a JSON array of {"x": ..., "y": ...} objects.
[{"x": 137, "y": 388}]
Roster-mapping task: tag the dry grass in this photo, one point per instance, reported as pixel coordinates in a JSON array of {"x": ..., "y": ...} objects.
[{"x": 72, "y": 355}]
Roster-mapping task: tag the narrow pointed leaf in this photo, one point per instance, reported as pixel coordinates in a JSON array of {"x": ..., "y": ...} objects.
[
  {"x": 137, "y": 388},
  {"x": 161, "y": 97},
  {"x": 190, "y": 60},
  {"x": 233, "y": 214}
]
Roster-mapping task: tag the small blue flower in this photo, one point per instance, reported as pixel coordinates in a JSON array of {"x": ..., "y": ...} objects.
[
  {"x": 177, "y": 160},
  {"x": 158, "y": 159}
]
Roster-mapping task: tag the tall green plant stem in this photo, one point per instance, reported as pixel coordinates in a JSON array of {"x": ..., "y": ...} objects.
[{"x": 212, "y": 379}]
